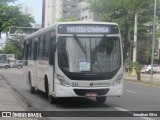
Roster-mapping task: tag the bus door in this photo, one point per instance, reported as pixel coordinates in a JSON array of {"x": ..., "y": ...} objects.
[
  {"x": 35, "y": 55},
  {"x": 25, "y": 60},
  {"x": 40, "y": 71},
  {"x": 52, "y": 50}
]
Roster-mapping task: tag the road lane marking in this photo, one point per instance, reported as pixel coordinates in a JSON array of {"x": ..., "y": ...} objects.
[{"x": 131, "y": 91}]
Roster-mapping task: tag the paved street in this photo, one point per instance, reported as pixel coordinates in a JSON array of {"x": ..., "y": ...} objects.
[{"x": 138, "y": 96}]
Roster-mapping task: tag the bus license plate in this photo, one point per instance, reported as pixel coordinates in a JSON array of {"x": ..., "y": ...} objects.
[{"x": 91, "y": 94}]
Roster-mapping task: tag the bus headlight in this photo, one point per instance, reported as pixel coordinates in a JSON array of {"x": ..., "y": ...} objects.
[
  {"x": 118, "y": 80},
  {"x": 62, "y": 81}
]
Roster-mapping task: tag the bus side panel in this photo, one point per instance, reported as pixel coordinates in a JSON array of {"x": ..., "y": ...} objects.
[
  {"x": 49, "y": 74},
  {"x": 25, "y": 73},
  {"x": 32, "y": 72},
  {"x": 40, "y": 75}
]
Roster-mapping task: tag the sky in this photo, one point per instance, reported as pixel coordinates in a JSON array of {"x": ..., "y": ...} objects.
[{"x": 36, "y": 6}]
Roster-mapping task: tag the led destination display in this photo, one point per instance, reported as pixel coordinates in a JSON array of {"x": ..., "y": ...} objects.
[{"x": 87, "y": 29}]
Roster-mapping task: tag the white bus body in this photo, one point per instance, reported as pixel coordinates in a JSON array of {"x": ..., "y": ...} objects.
[{"x": 75, "y": 59}]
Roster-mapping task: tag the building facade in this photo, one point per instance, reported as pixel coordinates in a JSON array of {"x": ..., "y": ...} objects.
[
  {"x": 25, "y": 9},
  {"x": 58, "y": 9},
  {"x": 85, "y": 14},
  {"x": 54, "y": 10}
]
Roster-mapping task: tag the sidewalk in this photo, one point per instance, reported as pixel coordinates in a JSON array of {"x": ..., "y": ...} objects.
[
  {"x": 144, "y": 78},
  {"x": 9, "y": 101}
]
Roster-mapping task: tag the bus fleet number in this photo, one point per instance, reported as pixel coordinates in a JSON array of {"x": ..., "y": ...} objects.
[{"x": 74, "y": 84}]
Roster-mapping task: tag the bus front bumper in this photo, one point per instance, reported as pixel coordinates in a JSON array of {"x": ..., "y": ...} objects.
[{"x": 64, "y": 91}]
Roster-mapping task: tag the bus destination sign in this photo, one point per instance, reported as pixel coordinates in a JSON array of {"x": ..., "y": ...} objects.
[{"x": 88, "y": 28}]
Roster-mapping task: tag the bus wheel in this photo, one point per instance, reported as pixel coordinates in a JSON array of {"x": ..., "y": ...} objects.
[
  {"x": 51, "y": 99},
  {"x": 101, "y": 99},
  {"x": 32, "y": 89}
]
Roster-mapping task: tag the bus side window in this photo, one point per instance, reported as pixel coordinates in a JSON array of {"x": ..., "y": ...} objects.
[
  {"x": 30, "y": 49},
  {"x": 38, "y": 47},
  {"x": 52, "y": 50},
  {"x": 26, "y": 52},
  {"x": 46, "y": 47},
  {"x": 40, "y": 54},
  {"x": 35, "y": 50}
]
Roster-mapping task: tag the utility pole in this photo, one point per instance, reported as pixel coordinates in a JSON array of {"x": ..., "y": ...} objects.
[
  {"x": 43, "y": 12},
  {"x": 153, "y": 41},
  {"x": 135, "y": 38}
]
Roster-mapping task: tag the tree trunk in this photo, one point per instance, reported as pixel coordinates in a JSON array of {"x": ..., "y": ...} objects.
[
  {"x": 138, "y": 74},
  {"x": 126, "y": 41}
]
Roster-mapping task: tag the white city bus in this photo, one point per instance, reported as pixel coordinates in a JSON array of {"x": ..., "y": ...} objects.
[{"x": 75, "y": 59}]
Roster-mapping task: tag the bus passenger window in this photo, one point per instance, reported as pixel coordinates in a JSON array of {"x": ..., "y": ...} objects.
[
  {"x": 35, "y": 50},
  {"x": 41, "y": 48},
  {"x": 46, "y": 47},
  {"x": 52, "y": 51}
]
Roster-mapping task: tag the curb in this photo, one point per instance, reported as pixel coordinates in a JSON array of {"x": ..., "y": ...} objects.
[
  {"x": 20, "y": 100},
  {"x": 142, "y": 82}
]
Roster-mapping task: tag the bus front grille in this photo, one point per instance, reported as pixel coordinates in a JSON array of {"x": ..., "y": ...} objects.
[{"x": 83, "y": 92}]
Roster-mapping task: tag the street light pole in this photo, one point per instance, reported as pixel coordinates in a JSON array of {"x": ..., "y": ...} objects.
[
  {"x": 153, "y": 41},
  {"x": 43, "y": 12}
]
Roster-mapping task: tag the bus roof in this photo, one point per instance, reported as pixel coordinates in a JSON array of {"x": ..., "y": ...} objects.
[{"x": 68, "y": 23}]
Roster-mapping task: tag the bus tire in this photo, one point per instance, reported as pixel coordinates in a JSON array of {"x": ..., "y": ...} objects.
[
  {"x": 32, "y": 89},
  {"x": 46, "y": 85},
  {"x": 101, "y": 99},
  {"x": 52, "y": 100}
]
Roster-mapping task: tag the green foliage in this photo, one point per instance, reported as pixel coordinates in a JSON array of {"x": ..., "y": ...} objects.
[
  {"x": 123, "y": 13},
  {"x": 11, "y": 16},
  {"x": 131, "y": 64},
  {"x": 14, "y": 46},
  {"x": 1, "y": 51},
  {"x": 4, "y": 2},
  {"x": 158, "y": 32}
]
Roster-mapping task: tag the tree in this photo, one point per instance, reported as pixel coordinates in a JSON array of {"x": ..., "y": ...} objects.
[
  {"x": 4, "y": 2},
  {"x": 11, "y": 16},
  {"x": 15, "y": 46},
  {"x": 123, "y": 12},
  {"x": 133, "y": 65}
]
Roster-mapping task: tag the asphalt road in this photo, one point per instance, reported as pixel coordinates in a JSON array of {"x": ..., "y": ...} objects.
[{"x": 137, "y": 97}]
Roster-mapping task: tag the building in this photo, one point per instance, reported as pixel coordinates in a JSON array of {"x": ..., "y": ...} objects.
[
  {"x": 58, "y": 9},
  {"x": 25, "y": 9},
  {"x": 54, "y": 10},
  {"x": 84, "y": 13},
  {"x": 28, "y": 10}
]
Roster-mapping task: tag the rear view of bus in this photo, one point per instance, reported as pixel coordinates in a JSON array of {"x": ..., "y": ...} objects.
[{"x": 89, "y": 61}]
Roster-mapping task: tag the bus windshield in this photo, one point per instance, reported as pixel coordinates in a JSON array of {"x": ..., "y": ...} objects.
[{"x": 92, "y": 55}]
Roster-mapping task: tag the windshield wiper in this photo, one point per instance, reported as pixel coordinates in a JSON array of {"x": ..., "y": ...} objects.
[{"x": 80, "y": 44}]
